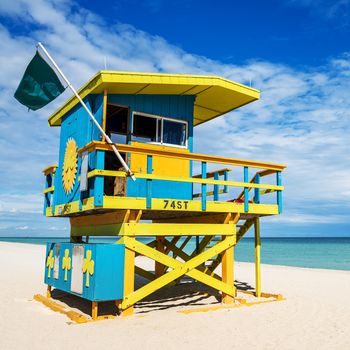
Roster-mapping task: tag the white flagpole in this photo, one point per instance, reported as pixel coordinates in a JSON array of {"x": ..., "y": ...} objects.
[{"x": 109, "y": 141}]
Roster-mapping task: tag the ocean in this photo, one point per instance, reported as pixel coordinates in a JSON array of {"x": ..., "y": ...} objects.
[{"x": 321, "y": 253}]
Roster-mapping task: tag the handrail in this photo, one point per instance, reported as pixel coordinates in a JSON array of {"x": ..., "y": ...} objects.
[
  {"x": 211, "y": 174},
  {"x": 98, "y": 172},
  {"x": 98, "y": 145},
  {"x": 261, "y": 173}
]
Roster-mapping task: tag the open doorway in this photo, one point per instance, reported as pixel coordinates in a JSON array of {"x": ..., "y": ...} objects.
[{"x": 117, "y": 129}]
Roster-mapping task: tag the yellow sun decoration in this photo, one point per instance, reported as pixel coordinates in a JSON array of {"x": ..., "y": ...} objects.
[{"x": 70, "y": 165}]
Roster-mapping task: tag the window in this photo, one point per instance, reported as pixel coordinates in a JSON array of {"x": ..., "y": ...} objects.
[
  {"x": 116, "y": 123},
  {"x": 174, "y": 133},
  {"x": 155, "y": 129}
]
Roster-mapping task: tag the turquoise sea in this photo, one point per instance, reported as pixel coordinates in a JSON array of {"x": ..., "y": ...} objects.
[{"x": 322, "y": 253}]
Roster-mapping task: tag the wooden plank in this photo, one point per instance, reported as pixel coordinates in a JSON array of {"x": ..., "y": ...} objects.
[
  {"x": 179, "y": 269},
  {"x": 190, "y": 156},
  {"x": 116, "y": 217},
  {"x": 171, "y": 229},
  {"x": 211, "y": 174}
]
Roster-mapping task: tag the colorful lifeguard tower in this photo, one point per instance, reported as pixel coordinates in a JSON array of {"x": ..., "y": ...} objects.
[{"x": 178, "y": 194}]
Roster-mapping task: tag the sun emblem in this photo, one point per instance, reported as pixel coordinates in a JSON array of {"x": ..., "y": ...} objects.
[{"x": 70, "y": 165}]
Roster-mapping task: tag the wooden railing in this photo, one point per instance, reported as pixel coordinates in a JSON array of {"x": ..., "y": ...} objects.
[
  {"x": 49, "y": 189},
  {"x": 204, "y": 179}
]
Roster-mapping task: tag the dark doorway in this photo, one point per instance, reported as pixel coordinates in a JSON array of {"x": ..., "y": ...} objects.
[{"x": 117, "y": 129}]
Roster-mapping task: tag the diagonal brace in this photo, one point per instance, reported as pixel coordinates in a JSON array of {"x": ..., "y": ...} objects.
[{"x": 179, "y": 269}]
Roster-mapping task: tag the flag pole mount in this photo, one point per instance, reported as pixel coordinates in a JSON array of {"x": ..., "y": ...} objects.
[{"x": 107, "y": 138}]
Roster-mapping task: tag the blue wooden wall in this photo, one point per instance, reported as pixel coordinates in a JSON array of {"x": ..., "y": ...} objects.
[
  {"x": 172, "y": 106},
  {"x": 76, "y": 124}
]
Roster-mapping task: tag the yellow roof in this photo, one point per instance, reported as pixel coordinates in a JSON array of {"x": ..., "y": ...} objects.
[{"x": 215, "y": 95}]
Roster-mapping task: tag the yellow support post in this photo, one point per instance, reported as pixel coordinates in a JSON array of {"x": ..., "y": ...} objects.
[
  {"x": 48, "y": 292},
  {"x": 129, "y": 268},
  {"x": 228, "y": 262},
  {"x": 227, "y": 273},
  {"x": 129, "y": 277},
  {"x": 257, "y": 258},
  {"x": 159, "y": 268},
  {"x": 94, "y": 310}
]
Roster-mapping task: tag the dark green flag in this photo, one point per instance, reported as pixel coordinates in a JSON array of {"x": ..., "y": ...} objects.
[{"x": 39, "y": 85}]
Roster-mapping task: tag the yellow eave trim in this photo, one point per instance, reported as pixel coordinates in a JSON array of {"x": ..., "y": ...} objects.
[{"x": 103, "y": 78}]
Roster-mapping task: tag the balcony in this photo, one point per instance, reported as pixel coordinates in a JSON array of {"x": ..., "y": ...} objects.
[{"x": 222, "y": 185}]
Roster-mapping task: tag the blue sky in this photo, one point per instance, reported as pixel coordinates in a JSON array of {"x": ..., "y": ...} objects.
[{"x": 295, "y": 51}]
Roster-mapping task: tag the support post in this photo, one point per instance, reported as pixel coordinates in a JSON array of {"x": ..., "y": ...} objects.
[
  {"x": 257, "y": 190},
  {"x": 99, "y": 180},
  {"x": 257, "y": 258},
  {"x": 149, "y": 184},
  {"x": 227, "y": 273},
  {"x": 216, "y": 187},
  {"x": 94, "y": 310},
  {"x": 159, "y": 268},
  {"x": 228, "y": 264},
  {"x": 48, "y": 291},
  {"x": 246, "y": 193},
  {"x": 225, "y": 179},
  {"x": 279, "y": 193},
  {"x": 129, "y": 266},
  {"x": 129, "y": 277},
  {"x": 204, "y": 186}
]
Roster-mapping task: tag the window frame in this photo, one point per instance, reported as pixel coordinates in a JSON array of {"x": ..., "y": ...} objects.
[{"x": 161, "y": 119}]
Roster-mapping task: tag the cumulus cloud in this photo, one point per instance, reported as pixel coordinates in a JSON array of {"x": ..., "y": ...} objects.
[{"x": 302, "y": 118}]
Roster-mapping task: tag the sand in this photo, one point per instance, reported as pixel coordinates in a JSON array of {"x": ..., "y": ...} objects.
[{"x": 315, "y": 314}]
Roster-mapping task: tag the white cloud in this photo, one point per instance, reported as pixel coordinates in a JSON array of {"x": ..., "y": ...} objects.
[
  {"x": 303, "y": 118},
  {"x": 22, "y": 228}
]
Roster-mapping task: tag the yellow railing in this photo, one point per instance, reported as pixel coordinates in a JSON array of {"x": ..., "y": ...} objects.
[{"x": 204, "y": 179}]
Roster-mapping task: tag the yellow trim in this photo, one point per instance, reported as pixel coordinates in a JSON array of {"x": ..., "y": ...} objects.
[
  {"x": 214, "y": 95},
  {"x": 101, "y": 219},
  {"x": 51, "y": 169},
  {"x": 182, "y": 154},
  {"x": 111, "y": 202},
  {"x": 220, "y": 307},
  {"x": 49, "y": 189},
  {"x": 211, "y": 174},
  {"x": 73, "y": 315},
  {"x": 136, "y": 229},
  {"x": 210, "y": 193},
  {"x": 249, "y": 185}
]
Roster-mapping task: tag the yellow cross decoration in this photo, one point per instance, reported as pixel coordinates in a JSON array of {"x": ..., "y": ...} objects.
[
  {"x": 88, "y": 267},
  {"x": 49, "y": 263},
  {"x": 66, "y": 264}
]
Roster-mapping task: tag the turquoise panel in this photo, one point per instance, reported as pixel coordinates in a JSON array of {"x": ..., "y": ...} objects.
[
  {"x": 106, "y": 280},
  {"x": 78, "y": 125}
]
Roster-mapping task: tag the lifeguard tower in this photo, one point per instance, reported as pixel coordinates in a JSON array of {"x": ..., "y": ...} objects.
[{"x": 178, "y": 196}]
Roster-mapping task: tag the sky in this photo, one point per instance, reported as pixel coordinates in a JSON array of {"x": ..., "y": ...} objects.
[{"x": 295, "y": 51}]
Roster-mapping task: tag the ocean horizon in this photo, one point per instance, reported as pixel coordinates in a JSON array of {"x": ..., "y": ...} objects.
[{"x": 316, "y": 252}]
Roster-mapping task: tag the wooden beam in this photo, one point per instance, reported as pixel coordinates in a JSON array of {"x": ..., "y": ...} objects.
[
  {"x": 257, "y": 258},
  {"x": 179, "y": 269}
]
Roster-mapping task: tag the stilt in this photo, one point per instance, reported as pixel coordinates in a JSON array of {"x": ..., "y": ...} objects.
[
  {"x": 48, "y": 292},
  {"x": 159, "y": 268},
  {"x": 227, "y": 273},
  {"x": 228, "y": 263},
  {"x": 94, "y": 310},
  {"x": 129, "y": 278},
  {"x": 257, "y": 258}
]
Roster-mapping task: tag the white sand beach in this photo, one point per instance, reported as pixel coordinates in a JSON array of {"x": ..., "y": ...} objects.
[{"x": 315, "y": 314}]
